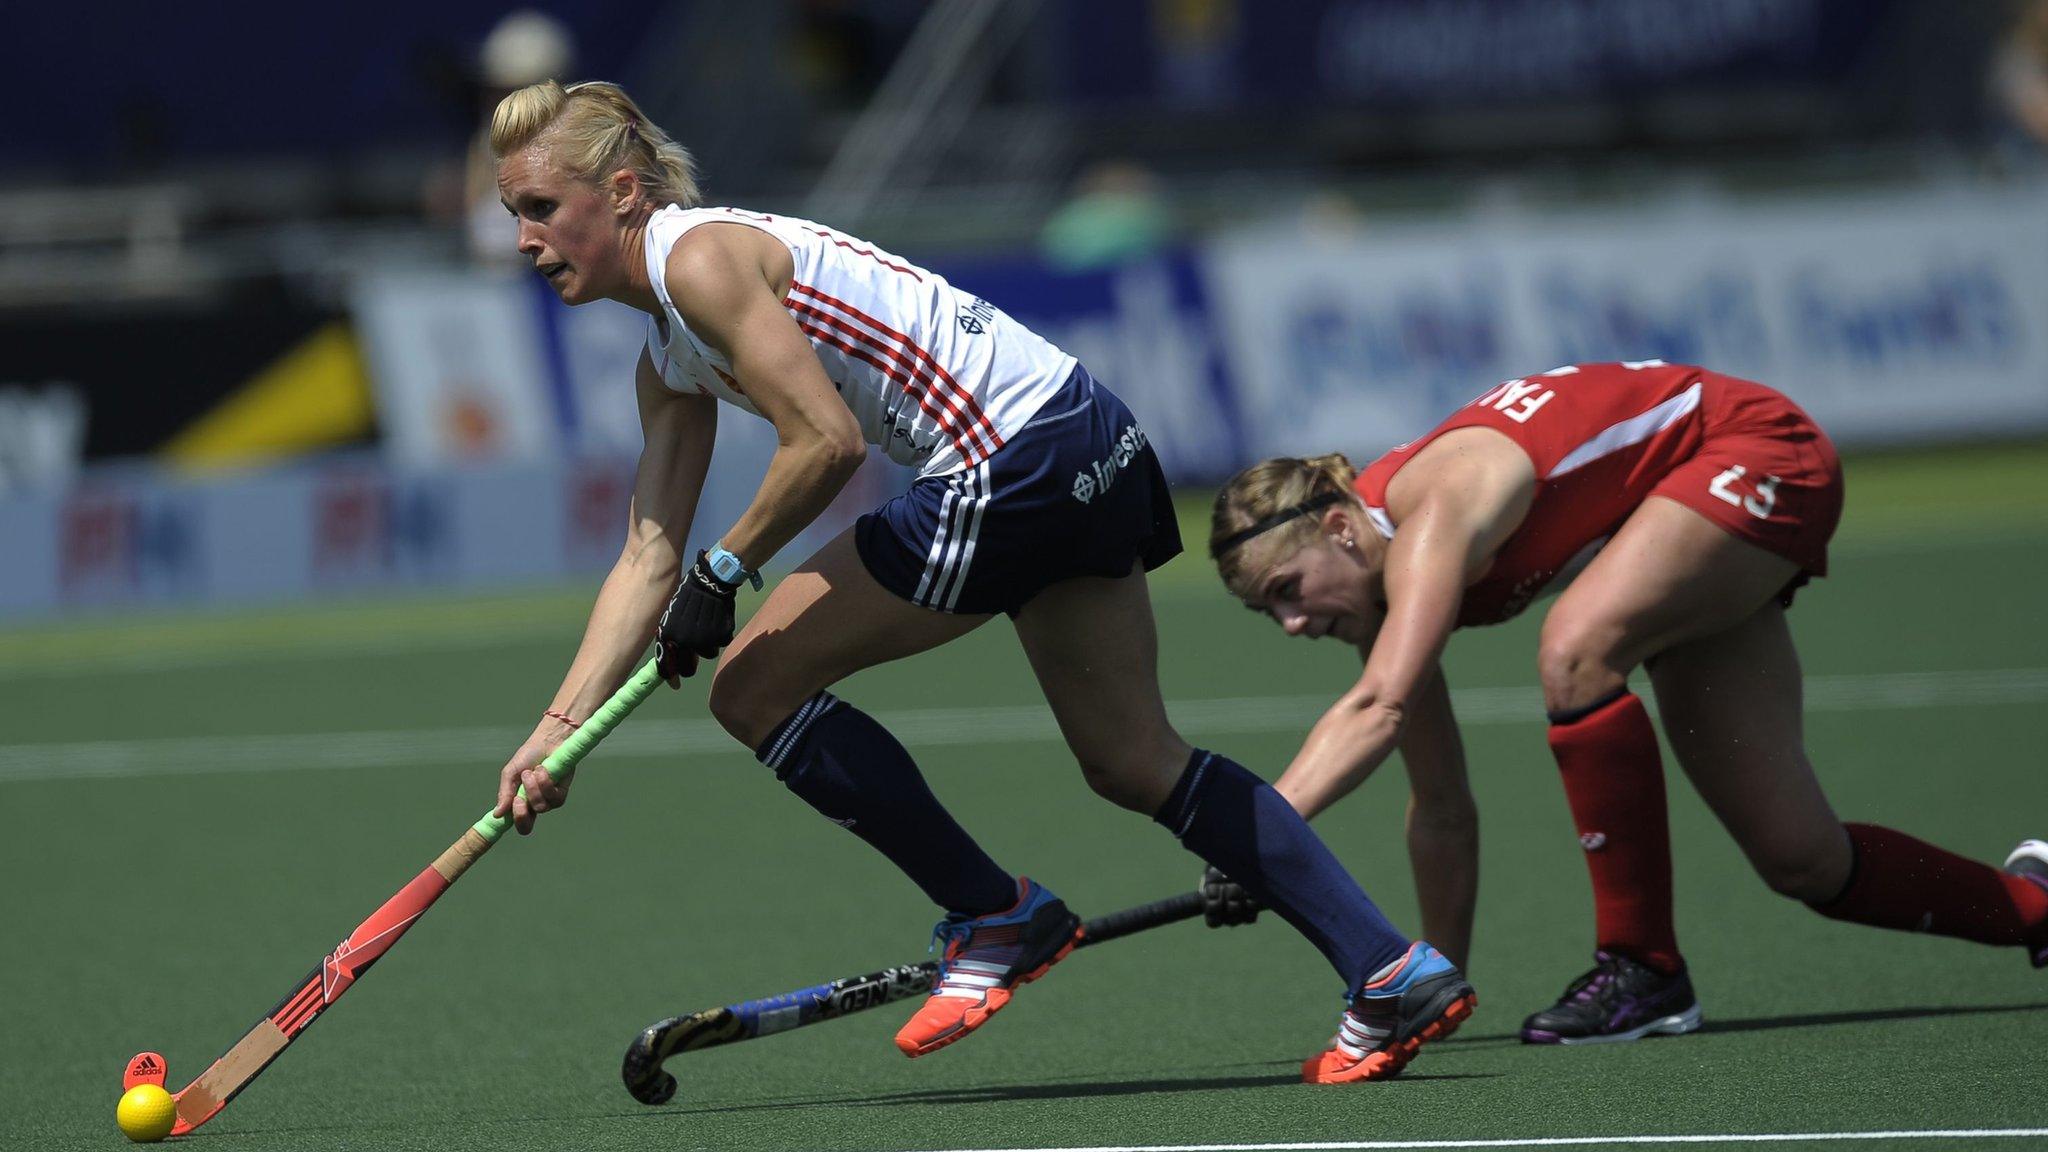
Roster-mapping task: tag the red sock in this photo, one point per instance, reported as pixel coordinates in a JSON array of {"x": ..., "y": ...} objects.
[
  {"x": 1614, "y": 779},
  {"x": 1911, "y": 885}
]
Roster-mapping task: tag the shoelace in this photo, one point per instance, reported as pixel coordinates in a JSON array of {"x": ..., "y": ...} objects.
[
  {"x": 946, "y": 932},
  {"x": 959, "y": 975},
  {"x": 1594, "y": 984}
]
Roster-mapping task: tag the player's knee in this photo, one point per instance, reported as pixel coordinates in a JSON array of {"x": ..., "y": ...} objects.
[
  {"x": 1128, "y": 778},
  {"x": 746, "y": 707},
  {"x": 1114, "y": 783},
  {"x": 1576, "y": 664},
  {"x": 1809, "y": 877}
]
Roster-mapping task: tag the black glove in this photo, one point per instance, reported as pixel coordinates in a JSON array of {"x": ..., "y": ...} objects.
[
  {"x": 697, "y": 621},
  {"x": 1224, "y": 902}
]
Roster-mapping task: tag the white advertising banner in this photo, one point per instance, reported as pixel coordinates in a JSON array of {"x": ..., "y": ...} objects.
[
  {"x": 600, "y": 345},
  {"x": 511, "y": 432},
  {"x": 128, "y": 536},
  {"x": 1901, "y": 317},
  {"x": 459, "y": 367},
  {"x": 480, "y": 365}
]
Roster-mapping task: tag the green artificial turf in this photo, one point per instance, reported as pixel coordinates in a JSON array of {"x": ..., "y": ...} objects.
[{"x": 166, "y": 907}]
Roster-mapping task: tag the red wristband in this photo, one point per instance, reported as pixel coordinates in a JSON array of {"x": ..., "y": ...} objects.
[{"x": 554, "y": 715}]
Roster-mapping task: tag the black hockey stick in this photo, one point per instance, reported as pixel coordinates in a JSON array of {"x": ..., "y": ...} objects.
[{"x": 733, "y": 1023}]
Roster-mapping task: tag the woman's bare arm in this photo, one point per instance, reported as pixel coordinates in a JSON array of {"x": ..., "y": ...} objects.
[
  {"x": 724, "y": 280},
  {"x": 1443, "y": 821},
  {"x": 677, "y": 432},
  {"x": 1469, "y": 493}
]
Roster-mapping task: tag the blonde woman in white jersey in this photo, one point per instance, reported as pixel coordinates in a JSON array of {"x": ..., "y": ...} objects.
[{"x": 1036, "y": 496}]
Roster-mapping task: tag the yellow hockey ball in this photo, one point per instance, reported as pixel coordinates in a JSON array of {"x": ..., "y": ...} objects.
[{"x": 146, "y": 1113}]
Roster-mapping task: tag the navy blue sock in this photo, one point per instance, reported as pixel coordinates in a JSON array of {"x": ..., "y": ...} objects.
[
  {"x": 1236, "y": 821},
  {"x": 858, "y": 776}
]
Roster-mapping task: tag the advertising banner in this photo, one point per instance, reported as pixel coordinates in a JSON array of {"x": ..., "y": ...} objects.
[
  {"x": 592, "y": 352},
  {"x": 472, "y": 367},
  {"x": 1147, "y": 331},
  {"x": 482, "y": 365},
  {"x": 1893, "y": 318},
  {"x": 1394, "y": 54},
  {"x": 459, "y": 372},
  {"x": 128, "y": 537},
  {"x": 101, "y": 380}
]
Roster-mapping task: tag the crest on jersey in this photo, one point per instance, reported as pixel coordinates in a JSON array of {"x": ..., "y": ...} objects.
[{"x": 976, "y": 316}]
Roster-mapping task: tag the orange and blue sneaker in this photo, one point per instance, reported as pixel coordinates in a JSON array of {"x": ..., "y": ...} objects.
[
  {"x": 986, "y": 958},
  {"x": 1417, "y": 999},
  {"x": 2030, "y": 860}
]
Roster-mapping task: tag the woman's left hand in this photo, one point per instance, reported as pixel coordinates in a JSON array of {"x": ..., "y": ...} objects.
[{"x": 697, "y": 623}]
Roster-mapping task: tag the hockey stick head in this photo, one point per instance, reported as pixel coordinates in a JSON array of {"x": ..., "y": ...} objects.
[
  {"x": 151, "y": 1068},
  {"x": 643, "y": 1073},
  {"x": 145, "y": 1068},
  {"x": 657, "y": 1042}
]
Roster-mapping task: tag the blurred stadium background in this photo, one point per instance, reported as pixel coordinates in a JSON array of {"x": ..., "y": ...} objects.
[
  {"x": 266, "y": 338},
  {"x": 301, "y": 469}
]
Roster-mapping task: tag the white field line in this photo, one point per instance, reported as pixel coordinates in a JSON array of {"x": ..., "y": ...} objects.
[
  {"x": 930, "y": 727},
  {"x": 1567, "y": 1141},
  {"x": 106, "y": 656}
]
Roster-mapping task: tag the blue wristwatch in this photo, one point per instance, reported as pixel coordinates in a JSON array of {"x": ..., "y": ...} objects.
[{"x": 730, "y": 569}]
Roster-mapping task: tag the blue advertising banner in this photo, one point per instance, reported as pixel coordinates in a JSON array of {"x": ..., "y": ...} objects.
[
  {"x": 1148, "y": 331},
  {"x": 1898, "y": 317},
  {"x": 1442, "y": 53}
]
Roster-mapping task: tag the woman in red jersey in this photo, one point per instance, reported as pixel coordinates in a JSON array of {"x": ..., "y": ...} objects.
[{"x": 1684, "y": 507}]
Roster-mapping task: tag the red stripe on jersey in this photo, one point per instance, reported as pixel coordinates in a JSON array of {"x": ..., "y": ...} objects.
[
  {"x": 766, "y": 218},
  {"x": 908, "y": 373},
  {"x": 952, "y": 386},
  {"x": 968, "y": 450},
  {"x": 869, "y": 253},
  {"x": 942, "y": 380}
]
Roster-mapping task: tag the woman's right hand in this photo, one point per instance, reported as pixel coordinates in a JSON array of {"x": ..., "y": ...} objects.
[
  {"x": 523, "y": 771},
  {"x": 1225, "y": 902}
]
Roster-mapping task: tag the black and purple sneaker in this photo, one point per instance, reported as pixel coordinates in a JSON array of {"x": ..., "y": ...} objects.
[
  {"x": 1618, "y": 1000},
  {"x": 2030, "y": 860}
]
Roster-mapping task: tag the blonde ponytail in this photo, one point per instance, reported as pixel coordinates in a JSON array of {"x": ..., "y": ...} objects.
[
  {"x": 592, "y": 130},
  {"x": 1267, "y": 490}
]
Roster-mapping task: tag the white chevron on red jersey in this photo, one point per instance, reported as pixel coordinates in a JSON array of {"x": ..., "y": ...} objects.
[
  {"x": 936, "y": 377},
  {"x": 1600, "y": 437}
]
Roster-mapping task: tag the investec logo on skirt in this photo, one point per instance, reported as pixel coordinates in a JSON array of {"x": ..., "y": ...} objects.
[{"x": 1099, "y": 475}]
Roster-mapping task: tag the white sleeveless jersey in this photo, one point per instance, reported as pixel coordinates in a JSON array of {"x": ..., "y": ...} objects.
[{"x": 937, "y": 378}]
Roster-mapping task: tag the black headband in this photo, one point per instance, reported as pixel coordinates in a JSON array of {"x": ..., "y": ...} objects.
[{"x": 1312, "y": 504}]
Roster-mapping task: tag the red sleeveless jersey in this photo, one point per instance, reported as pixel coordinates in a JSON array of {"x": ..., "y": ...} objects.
[{"x": 1605, "y": 437}]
